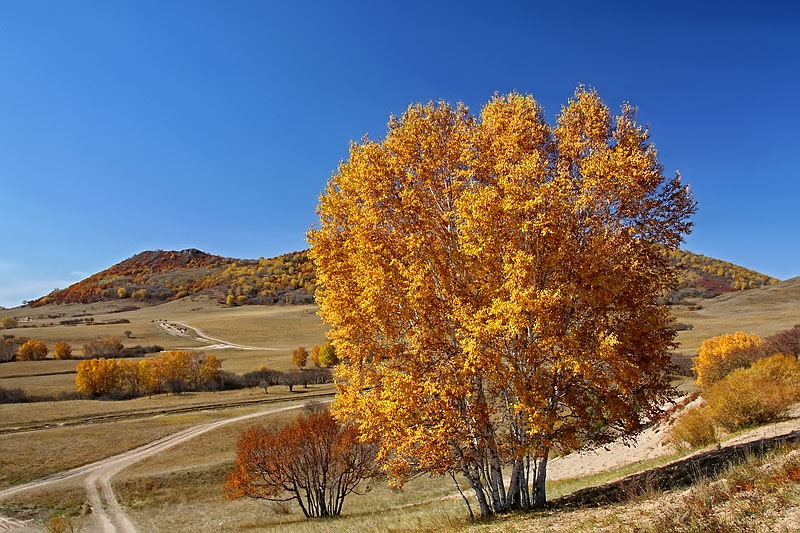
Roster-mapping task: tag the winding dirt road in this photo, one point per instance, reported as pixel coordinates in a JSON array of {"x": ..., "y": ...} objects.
[
  {"x": 201, "y": 336},
  {"x": 108, "y": 513}
]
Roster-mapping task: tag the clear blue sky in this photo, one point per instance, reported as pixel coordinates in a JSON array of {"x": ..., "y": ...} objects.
[{"x": 127, "y": 126}]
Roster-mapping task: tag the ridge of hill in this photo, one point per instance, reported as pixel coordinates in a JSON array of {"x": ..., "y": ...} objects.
[{"x": 157, "y": 276}]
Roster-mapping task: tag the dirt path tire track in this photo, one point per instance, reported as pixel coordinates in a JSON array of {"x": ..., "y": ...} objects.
[
  {"x": 107, "y": 511},
  {"x": 202, "y": 336}
]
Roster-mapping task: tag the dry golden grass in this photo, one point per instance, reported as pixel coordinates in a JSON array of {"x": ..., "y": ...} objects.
[
  {"x": 15, "y": 415},
  {"x": 281, "y": 327},
  {"x": 181, "y": 489},
  {"x": 761, "y": 311}
]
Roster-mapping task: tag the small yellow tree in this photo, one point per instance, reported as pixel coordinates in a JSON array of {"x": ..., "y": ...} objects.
[
  {"x": 8, "y": 322},
  {"x": 315, "y": 356},
  {"x": 32, "y": 350},
  {"x": 62, "y": 350},
  {"x": 327, "y": 355},
  {"x": 718, "y": 356},
  {"x": 300, "y": 356}
]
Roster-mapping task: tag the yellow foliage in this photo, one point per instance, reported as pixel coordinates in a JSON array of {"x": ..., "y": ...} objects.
[
  {"x": 62, "y": 350},
  {"x": 756, "y": 395},
  {"x": 492, "y": 284},
  {"x": 718, "y": 356},
  {"x": 32, "y": 350},
  {"x": 96, "y": 377},
  {"x": 693, "y": 428}
]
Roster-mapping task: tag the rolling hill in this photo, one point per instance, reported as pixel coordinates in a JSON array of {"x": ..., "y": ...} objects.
[{"x": 157, "y": 276}]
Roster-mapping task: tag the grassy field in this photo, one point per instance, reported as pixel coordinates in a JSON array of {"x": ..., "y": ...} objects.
[
  {"x": 762, "y": 311},
  {"x": 281, "y": 327},
  {"x": 181, "y": 489}
]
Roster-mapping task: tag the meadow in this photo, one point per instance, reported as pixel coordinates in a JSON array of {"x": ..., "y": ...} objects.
[{"x": 180, "y": 489}]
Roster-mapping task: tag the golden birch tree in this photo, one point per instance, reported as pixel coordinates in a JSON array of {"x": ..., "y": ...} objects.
[{"x": 492, "y": 287}]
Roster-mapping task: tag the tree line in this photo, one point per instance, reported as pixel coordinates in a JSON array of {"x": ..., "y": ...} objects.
[{"x": 177, "y": 372}]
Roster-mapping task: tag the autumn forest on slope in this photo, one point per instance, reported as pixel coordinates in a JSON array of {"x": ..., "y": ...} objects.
[{"x": 157, "y": 276}]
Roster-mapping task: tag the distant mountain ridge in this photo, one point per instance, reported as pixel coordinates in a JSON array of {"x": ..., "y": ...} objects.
[{"x": 157, "y": 276}]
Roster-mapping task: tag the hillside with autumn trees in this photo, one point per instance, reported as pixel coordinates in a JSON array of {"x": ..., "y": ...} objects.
[
  {"x": 157, "y": 276},
  {"x": 707, "y": 277}
]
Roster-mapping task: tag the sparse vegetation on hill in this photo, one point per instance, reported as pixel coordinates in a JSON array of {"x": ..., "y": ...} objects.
[
  {"x": 157, "y": 276},
  {"x": 706, "y": 277}
]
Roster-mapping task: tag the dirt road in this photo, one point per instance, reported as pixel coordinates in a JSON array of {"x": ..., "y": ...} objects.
[
  {"x": 108, "y": 513},
  {"x": 180, "y": 329}
]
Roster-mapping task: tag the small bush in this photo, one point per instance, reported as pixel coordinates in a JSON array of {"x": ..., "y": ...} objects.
[
  {"x": 786, "y": 342},
  {"x": 103, "y": 347},
  {"x": 693, "y": 428},
  {"x": 62, "y": 350},
  {"x": 756, "y": 395},
  {"x": 719, "y": 356},
  {"x": 32, "y": 351},
  {"x": 12, "y": 396}
]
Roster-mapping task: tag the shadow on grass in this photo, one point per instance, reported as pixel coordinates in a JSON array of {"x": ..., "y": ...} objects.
[{"x": 680, "y": 473}]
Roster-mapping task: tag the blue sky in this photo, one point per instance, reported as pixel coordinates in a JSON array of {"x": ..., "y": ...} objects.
[{"x": 127, "y": 126}]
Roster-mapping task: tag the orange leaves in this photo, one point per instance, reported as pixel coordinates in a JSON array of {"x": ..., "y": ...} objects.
[
  {"x": 314, "y": 460},
  {"x": 62, "y": 350},
  {"x": 32, "y": 350},
  {"x": 492, "y": 285},
  {"x": 174, "y": 370}
]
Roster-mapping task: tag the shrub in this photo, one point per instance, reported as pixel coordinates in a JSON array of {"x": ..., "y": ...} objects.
[
  {"x": 315, "y": 461},
  {"x": 8, "y": 322},
  {"x": 327, "y": 355},
  {"x": 719, "y": 356},
  {"x": 32, "y": 351},
  {"x": 756, "y": 395},
  {"x": 693, "y": 428},
  {"x": 12, "y": 396},
  {"x": 62, "y": 350},
  {"x": 103, "y": 347},
  {"x": 786, "y": 342}
]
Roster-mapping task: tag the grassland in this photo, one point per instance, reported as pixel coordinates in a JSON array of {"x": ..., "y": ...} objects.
[
  {"x": 181, "y": 489},
  {"x": 762, "y": 311},
  {"x": 276, "y": 327}
]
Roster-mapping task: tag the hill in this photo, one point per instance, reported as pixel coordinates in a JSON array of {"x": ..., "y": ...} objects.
[
  {"x": 707, "y": 277},
  {"x": 763, "y": 311},
  {"x": 158, "y": 276}
]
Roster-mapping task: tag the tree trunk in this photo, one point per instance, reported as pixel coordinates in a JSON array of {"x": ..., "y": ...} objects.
[
  {"x": 498, "y": 483},
  {"x": 524, "y": 478},
  {"x": 514, "y": 488},
  {"x": 477, "y": 487},
  {"x": 539, "y": 478}
]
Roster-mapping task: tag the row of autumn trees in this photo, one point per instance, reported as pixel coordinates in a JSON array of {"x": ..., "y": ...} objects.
[
  {"x": 180, "y": 371},
  {"x": 23, "y": 349},
  {"x": 173, "y": 371},
  {"x": 492, "y": 285}
]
